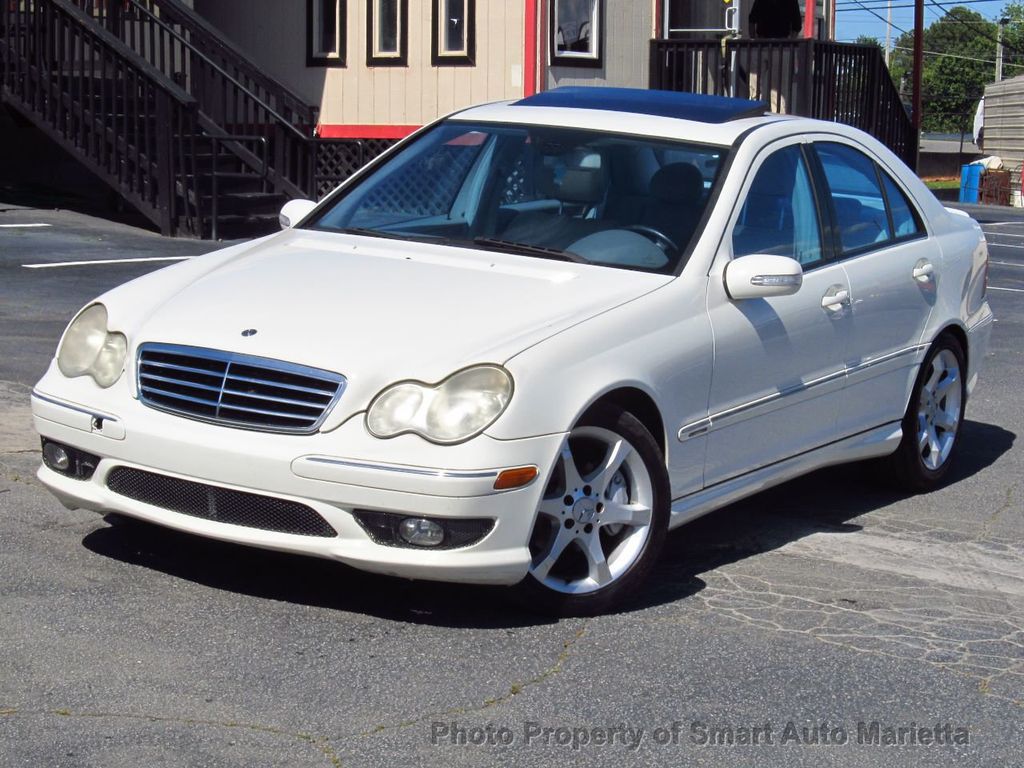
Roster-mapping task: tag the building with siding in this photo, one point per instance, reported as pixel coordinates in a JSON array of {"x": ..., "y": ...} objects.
[
  {"x": 1004, "y": 121},
  {"x": 381, "y": 68}
]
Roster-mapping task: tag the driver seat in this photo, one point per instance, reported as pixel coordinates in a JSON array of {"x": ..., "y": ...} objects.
[{"x": 673, "y": 205}]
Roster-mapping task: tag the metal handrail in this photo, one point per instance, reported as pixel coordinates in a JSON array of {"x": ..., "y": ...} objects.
[
  {"x": 196, "y": 24},
  {"x": 153, "y": 74},
  {"x": 270, "y": 110}
]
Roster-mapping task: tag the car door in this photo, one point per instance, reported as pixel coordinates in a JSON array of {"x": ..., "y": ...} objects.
[
  {"x": 778, "y": 362},
  {"x": 893, "y": 269}
]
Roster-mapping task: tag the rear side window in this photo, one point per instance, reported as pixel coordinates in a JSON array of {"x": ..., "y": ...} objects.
[
  {"x": 905, "y": 221},
  {"x": 857, "y": 198}
]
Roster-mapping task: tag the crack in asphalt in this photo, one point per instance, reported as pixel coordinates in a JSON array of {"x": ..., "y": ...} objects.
[
  {"x": 320, "y": 742},
  {"x": 516, "y": 688},
  {"x": 980, "y": 638}
]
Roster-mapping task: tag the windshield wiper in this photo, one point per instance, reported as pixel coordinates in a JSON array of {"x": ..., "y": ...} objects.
[
  {"x": 529, "y": 250},
  {"x": 371, "y": 233}
]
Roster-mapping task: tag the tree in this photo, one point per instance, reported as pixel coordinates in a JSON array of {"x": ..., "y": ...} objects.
[
  {"x": 955, "y": 68},
  {"x": 958, "y": 63}
]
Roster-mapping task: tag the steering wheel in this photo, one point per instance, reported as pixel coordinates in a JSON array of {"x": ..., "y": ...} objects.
[{"x": 659, "y": 238}]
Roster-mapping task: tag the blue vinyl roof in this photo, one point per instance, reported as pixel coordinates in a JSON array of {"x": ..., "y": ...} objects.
[{"x": 684, "y": 106}]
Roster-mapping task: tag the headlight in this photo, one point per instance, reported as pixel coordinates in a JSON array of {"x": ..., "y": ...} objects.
[
  {"x": 89, "y": 348},
  {"x": 461, "y": 406}
]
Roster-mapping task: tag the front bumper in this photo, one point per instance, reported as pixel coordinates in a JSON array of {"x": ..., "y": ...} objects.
[{"x": 333, "y": 473}]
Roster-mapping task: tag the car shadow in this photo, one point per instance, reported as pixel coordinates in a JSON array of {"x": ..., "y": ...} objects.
[
  {"x": 788, "y": 512},
  {"x": 747, "y": 528}
]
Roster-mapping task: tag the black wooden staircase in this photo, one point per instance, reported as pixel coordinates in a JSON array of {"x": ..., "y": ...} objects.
[{"x": 155, "y": 102}]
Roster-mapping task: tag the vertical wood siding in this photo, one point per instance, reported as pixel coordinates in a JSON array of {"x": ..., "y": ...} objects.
[{"x": 273, "y": 33}]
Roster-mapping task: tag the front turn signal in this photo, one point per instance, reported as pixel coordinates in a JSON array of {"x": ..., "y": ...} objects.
[{"x": 515, "y": 478}]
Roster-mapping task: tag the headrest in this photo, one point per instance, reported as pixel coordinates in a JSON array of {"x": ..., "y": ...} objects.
[
  {"x": 677, "y": 183},
  {"x": 581, "y": 185}
]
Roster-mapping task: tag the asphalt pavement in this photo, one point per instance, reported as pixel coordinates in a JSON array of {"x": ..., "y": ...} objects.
[{"x": 807, "y": 626}]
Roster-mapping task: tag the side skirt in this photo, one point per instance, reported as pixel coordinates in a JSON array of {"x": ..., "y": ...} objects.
[{"x": 880, "y": 441}]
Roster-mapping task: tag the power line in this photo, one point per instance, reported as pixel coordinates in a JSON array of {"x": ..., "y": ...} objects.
[
  {"x": 979, "y": 33},
  {"x": 849, "y": 5},
  {"x": 880, "y": 17},
  {"x": 956, "y": 56}
]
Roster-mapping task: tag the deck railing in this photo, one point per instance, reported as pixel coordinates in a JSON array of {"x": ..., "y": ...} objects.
[{"x": 843, "y": 82}]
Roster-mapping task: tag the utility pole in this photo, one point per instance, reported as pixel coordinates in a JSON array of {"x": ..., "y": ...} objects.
[
  {"x": 918, "y": 64},
  {"x": 999, "y": 50},
  {"x": 888, "y": 33}
]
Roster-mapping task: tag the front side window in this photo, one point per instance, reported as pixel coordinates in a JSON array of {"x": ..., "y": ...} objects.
[
  {"x": 453, "y": 35},
  {"x": 857, "y": 199},
  {"x": 325, "y": 33},
  {"x": 779, "y": 215},
  {"x": 576, "y": 33},
  {"x": 545, "y": 192},
  {"x": 387, "y": 30}
]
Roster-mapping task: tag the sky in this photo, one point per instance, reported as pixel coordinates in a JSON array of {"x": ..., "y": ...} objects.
[{"x": 853, "y": 20}]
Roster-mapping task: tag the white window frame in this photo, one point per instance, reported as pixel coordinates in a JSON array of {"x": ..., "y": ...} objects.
[
  {"x": 315, "y": 55},
  {"x": 441, "y": 55},
  {"x": 591, "y": 58},
  {"x": 375, "y": 56}
]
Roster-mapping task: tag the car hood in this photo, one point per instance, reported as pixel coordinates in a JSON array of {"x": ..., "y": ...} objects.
[{"x": 374, "y": 310}]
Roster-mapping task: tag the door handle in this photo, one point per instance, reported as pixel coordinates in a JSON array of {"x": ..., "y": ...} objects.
[
  {"x": 836, "y": 298},
  {"x": 923, "y": 271}
]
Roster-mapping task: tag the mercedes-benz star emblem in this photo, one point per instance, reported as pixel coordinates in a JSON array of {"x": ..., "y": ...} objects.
[{"x": 249, "y": 332}]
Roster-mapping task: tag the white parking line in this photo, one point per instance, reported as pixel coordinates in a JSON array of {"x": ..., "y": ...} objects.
[
  {"x": 1005, "y": 245},
  {"x": 53, "y": 265},
  {"x": 1006, "y": 263},
  {"x": 1012, "y": 290},
  {"x": 23, "y": 226}
]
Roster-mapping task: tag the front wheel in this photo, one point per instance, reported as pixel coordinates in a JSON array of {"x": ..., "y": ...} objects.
[
  {"x": 603, "y": 518},
  {"x": 931, "y": 426}
]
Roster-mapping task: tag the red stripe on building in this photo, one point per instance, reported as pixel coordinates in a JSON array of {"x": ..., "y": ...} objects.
[
  {"x": 530, "y": 50},
  {"x": 365, "y": 131}
]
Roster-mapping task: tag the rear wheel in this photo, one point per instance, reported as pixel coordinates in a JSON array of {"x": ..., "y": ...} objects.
[
  {"x": 931, "y": 426},
  {"x": 602, "y": 520}
]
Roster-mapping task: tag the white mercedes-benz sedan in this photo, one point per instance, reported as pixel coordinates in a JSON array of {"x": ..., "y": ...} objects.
[{"x": 530, "y": 339}]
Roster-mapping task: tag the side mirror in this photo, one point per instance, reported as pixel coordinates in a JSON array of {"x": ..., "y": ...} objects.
[
  {"x": 760, "y": 276},
  {"x": 294, "y": 211}
]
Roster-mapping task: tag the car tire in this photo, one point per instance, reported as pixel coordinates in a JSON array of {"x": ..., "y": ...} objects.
[
  {"x": 602, "y": 520},
  {"x": 931, "y": 425}
]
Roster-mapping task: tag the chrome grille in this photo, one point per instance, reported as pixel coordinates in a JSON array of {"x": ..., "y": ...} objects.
[{"x": 236, "y": 390}]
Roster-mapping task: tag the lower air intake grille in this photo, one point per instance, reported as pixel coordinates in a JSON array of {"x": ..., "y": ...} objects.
[{"x": 219, "y": 504}]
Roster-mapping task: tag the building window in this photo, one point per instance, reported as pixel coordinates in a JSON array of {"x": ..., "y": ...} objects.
[
  {"x": 453, "y": 32},
  {"x": 387, "y": 33},
  {"x": 325, "y": 33},
  {"x": 576, "y": 32}
]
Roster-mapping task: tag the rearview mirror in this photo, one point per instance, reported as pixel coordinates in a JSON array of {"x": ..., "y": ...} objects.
[
  {"x": 294, "y": 211},
  {"x": 761, "y": 276}
]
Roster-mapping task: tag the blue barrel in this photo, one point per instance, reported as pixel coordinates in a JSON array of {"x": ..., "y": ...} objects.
[{"x": 970, "y": 183}]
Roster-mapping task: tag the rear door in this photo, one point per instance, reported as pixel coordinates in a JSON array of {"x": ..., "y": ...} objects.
[{"x": 881, "y": 241}]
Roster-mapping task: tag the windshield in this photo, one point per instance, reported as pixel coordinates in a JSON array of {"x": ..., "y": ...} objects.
[{"x": 561, "y": 193}]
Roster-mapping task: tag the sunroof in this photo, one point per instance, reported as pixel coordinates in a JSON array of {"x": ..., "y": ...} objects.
[{"x": 684, "y": 106}]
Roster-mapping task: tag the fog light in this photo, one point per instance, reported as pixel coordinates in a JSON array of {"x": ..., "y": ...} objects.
[
  {"x": 69, "y": 461},
  {"x": 420, "y": 532},
  {"x": 56, "y": 457}
]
